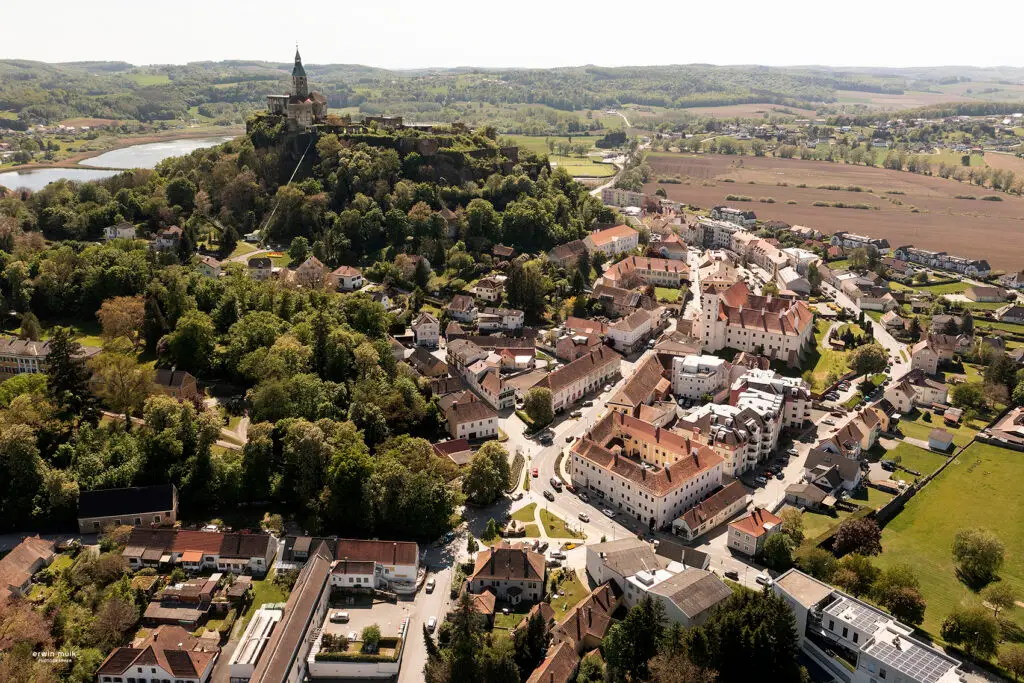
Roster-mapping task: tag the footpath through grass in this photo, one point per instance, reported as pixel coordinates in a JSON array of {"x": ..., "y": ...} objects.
[
  {"x": 556, "y": 527},
  {"x": 980, "y": 489}
]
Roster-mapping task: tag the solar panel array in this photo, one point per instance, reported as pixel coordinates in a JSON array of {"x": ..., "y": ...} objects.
[
  {"x": 857, "y": 615},
  {"x": 915, "y": 661}
]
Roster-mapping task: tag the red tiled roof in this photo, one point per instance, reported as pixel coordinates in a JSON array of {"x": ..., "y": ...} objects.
[
  {"x": 753, "y": 523},
  {"x": 509, "y": 562},
  {"x": 600, "y": 357},
  {"x": 609, "y": 235},
  {"x": 382, "y": 552}
]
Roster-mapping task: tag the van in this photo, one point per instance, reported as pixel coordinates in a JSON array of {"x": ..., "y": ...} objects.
[
  {"x": 556, "y": 483},
  {"x": 339, "y": 618}
]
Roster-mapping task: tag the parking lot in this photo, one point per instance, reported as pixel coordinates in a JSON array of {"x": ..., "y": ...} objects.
[{"x": 364, "y": 612}]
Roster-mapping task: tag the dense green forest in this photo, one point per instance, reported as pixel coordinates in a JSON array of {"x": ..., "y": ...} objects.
[
  {"x": 340, "y": 433},
  {"x": 227, "y": 91}
]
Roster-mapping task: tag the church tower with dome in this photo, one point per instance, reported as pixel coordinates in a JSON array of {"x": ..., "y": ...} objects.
[{"x": 302, "y": 108}]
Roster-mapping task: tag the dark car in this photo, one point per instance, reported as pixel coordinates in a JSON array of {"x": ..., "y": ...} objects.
[
  {"x": 550, "y": 496},
  {"x": 732, "y": 574}
]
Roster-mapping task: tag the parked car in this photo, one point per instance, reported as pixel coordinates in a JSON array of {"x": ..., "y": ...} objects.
[
  {"x": 547, "y": 440},
  {"x": 761, "y": 481},
  {"x": 576, "y": 413},
  {"x": 780, "y": 475},
  {"x": 764, "y": 580},
  {"x": 584, "y": 517},
  {"x": 550, "y": 496},
  {"x": 584, "y": 497},
  {"x": 431, "y": 584},
  {"x": 353, "y": 636},
  {"x": 557, "y": 555},
  {"x": 341, "y": 617},
  {"x": 534, "y": 472},
  {"x": 607, "y": 387},
  {"x": 588, "y": 404},
  {"x": 556, "y": 484},
  {"x": 608, "y": 513},
  {"x": 888, "y": 465},
  {"x": 431, "y": 625},
  {"x": 542, "y": 547},
  {"x": 732, "y": 574},
  {"x": 551, "y": 564},
  {"x": 828, "y": 421},
  {"x": 792, "y": 451},
  {"x": 570, "y": 439}
]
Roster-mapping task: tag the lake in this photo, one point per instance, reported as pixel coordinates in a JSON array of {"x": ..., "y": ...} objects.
[{"x": 137, "y": 156}]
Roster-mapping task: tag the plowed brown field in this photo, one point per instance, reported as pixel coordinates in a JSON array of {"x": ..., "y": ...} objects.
[{"x": 973, "y": 228}]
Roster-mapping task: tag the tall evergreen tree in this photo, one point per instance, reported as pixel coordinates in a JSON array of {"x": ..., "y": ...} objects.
[{"x": 67, "y": 379}]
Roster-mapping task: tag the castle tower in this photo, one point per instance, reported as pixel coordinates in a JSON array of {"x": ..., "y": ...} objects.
[{"x": 300, "y": 86}]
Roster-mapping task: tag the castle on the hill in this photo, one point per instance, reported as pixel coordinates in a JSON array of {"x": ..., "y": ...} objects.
[{"x": 302, "y": 107}]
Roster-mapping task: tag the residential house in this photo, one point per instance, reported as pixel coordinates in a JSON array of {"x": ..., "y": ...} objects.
[
  {"x": 168, "y": 239},
  {"x": 849, "y": 240},
  {"x": 569, "y": 383},
  {"x": 513, "y": 571},
  {"x": 612, "y": 241},
  {"x": 139, "y": 506},
  {"x": 1011, "y": 313},
  {"x": 759, "y": 387},
  {"x": 208, "y": 267},
  {"x": 426, "y": 363},
  {"x": 585, "y": 625},
  {"x": 615, "y": 196},
  {"x": 462, "y": 308},
  {"x": 312, "y": 273},
  {"x": 671, "y": 247},
  {"x": 260, "y": 268},
  {"x": 821, "y": 462},
  {"x": 397, "y": 563},
  {"x": 346, "y": 278},
  {"x": 180, "y": 384},
  {"x": 500, "y": 320},
  {"x": 469, "y": 417},
  {"x": 806, "y": 495},
  {"x": 1013, "y": 280},
  {"x": 748, "y": 534},
  {"x": 924, "y": 356},
  {"x": 985, "y": 294},
  {"x": 927, "y": 389},
  {"x": 616, "y": 301},
  {"x": 901, "y": 396},
  {"x": 121, "y": 231},
  {"x": 559, "y": 666},
  {"x": 644, "y": 470},
  {"x": 689, "y": 596},
  {"x": 457, "y": 450},
  {"x": 488, "y": 289},
  {"x": 570, "y": 347},
  {"x": 629, "y": 334},
  {"x": 426, "y": 329},
  {"x": 165, "y": 653},
  {"x": 568, "y": 254},
  {"x": 646, "y": 385},
  {"x": 19, "y": 566},
  {"x": 694, "y": 376},
  {"x": 707, "y": 514},
  {"x": 19, "y": 356},
  {"x": 892, "y": 322},
  {"x": 619, "y": 559},
  {"x": 940, "y": 440},
  {"x": 857, "y": 642},
  {"x": 788, "y": 279},
  {"x": 502, "y": 252},
  {"x": 780, "y": 328},
  {"x": 196, "y": 551},
  {"x": 869, "y": 297}
]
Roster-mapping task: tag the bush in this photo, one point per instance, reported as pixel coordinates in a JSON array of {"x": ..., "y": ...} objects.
[
  {"x": 991, "y": 198},
  {"x": 738, "y": 198}
]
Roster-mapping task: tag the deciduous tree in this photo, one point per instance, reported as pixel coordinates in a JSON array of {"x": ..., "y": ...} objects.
[
  {"x": 978, "y": 555},
  {"x": 861, "y": 536},
  {"x": 974, "y": 629},
  {"x": 122, "y": 316}
]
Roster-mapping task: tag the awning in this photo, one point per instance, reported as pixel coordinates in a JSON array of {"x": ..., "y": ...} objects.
[{"x": 193, "y": 556}]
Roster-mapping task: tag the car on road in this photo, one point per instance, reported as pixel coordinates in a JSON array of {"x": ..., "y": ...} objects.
[
  {"x": 588, "y": 404},
  {"x": 576, "y": 413},
  {"x": 763, "y": 580},
  {"x": 570, "y": 438},
  {"x": 607, "y": 387},
  {"x": 888, "y": 465},
  {"x": 550, "y": 496},
  {"x": 584, "y": 517},
  {"x": 732, "y": 574},
  {"x": 542, "y": 547},
  {"x": 584, "y": 497},
  {"x": 557, "y": 555},
  {"x": 608, "y": 513},
  {"x": 556, "y": 484},
  {"x": 828, "y": 421},
  {"x": 431, "y": 625},
  {"x": 780, "y": 476},
  {"x": 761, "y": 481},
  {"x": 792, "y": 451},
  {"x": 551, "y": 564},
  {"x": 534, "y": 472},
  {"x": 431, "y": 584},
  {"x": 547, "y": 440},
  {"x": 339, "y": 617}
]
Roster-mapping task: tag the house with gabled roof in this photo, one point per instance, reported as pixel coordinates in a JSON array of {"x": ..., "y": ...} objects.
[
  {"x": 717, "y": 508},
  {"x": 19, "y": 566},
  {"x": 513, "y": 571},
  {"x": 426, "y": 329},
  {"x": 462, "y": 307},
  {"x": 132, "y": 506},
  {"x": 346, "y": 278},
  {"x": 612, "y": 241},
  {"x": 165, "y": 653},
  {"x": 748, "y": 534},
  {"x": 208, "y": 267}
]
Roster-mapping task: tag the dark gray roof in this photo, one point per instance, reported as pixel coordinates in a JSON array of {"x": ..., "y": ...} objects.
[{"x": 127, "y": 501}]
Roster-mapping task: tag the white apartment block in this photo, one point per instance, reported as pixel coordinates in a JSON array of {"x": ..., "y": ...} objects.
[
  {"x": 742, "y": 437},
  {"x": 492, "y": 319},
  {"x": 613, "y": 241},
  {"x": 695, "y": 376},
  {"x": 714, "y": 234},
  {"x": 655, "y": 475},
  {"x": 944, "y": 261},
  {"x": 874, "y": 647},
  {"x": 740, "y": 217},
  {"x": 795, "y": 394},
  {"x": 614, "y": 196}
]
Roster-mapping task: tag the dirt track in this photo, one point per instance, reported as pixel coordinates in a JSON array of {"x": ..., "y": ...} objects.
[{"x": 974, "y": 228}]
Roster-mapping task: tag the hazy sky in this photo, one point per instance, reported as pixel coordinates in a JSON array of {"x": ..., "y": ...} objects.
[{"x": 529, "y": 33}]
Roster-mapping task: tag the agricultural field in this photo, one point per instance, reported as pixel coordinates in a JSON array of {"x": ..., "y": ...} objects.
[
  {"x": 979, "y": 489},
  {"x": 750, "y": 111},
  {"x": 579, "y": 166},
  {"x": 927, "y": 212}
]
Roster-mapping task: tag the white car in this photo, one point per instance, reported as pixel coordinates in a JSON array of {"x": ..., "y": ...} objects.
[
  {"x": 431, "y": 624},
  {"x": 764, "y": 580},
  {"x": 584, "y": 517},
  {"x": 339, "y": 618},
  {"x": 431, "y": 583},
  {"x": 607, "y": 387},
  {"x": 608, "y": 513}
]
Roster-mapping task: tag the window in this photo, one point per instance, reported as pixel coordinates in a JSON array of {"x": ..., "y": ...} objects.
[
  {"x": 845, "y": 632},
  {"x": 96, "y": 525},
  {"x": 881, "y": 672},
  {"x": 156, "y": 518},
  {"x": 855, "y": 636},
  {"x": 831, "y": 625},
  {"x": 138, "y": 521}
]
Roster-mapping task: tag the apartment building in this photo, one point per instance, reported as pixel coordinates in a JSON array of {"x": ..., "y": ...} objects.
[
  {"x": 795, "y": 393},
  {"x": 742, "y": 437},
  {"x": 613, "y": 241},
  {"x": 165, "y": 653},
  {"x": 857, "y": 642},
  {"x": 196, "y": 551},
  {"x": 571, "y": 382},
  {"x": 740, "y": 217},
  {"x": 646, "y": 471},
  {"x": 780, "y": 328},
  {"x": 629, "y": 334},
  {"x": 469, "y": 417},
  {"x": 943, "y": 261},
  {"x": 615, "y": 196},
  {"x": 716, "y": 509},
  {"x": 697, "y": 376},
  {"x": 849, "y": 240},
  {"x": 713, "y": 234}
]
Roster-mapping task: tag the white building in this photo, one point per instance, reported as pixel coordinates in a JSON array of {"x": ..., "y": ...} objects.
[
  {"x": 789, "y": 278},
  {"x": 615, "y": 196},
  {"x": 695, "y": 376},
  {"x": 254, "y": 640},
  {"x": 740, "y": 217},
  {"x": 469, "y": 417},
  {"x": 121, "y": 231},
  {"x": 571, "y": 382},
  {"x": 795, "y": 394},
  {"x": 500, "y": 320},
  {"x": 832, "y": 626},
  {"x": 646, "y": 471},
  {"x": 717, "y": 508},
  {"x": 741, "y": 436},
  {"x": 630, "y": 333},
  {"x": 426, "y": 329},
  {"x": 613, "y": 241},
  {"x": 713, "y": 234}
]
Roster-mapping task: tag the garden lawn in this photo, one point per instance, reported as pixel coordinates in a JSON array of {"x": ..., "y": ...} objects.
[
  {"x": 981, "y": 488},
  {"x": 668, "y": 294},
  {"x": 817, "y": 523},
  {"x": 914, "y": 426},
  {"x": 917, "y": 459},
  {"x": 515, "y": 614},
  {"x": 263, "y": 592},
  {"x": 824, "y": 361},
  {"x": 556, "y": 527},
  {"x": 574, "y": 592},
  {"x": 532, "y": 531},
  {"x": 243, "y": 248},
  {"x": 526, "y": 514}
]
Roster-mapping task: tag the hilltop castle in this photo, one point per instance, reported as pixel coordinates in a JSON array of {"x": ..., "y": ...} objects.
[{"x": 302, "y": 107}]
